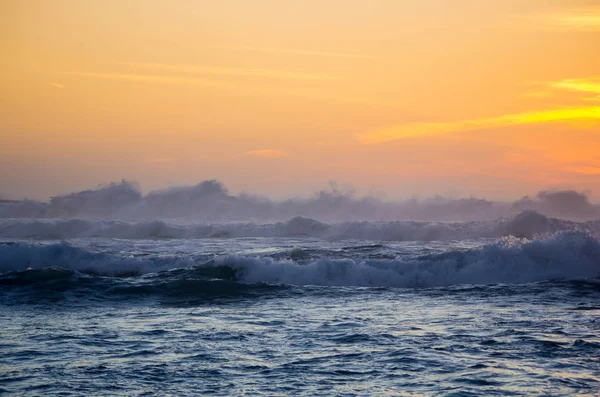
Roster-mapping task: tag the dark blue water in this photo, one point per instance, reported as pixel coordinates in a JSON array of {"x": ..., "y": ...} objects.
[{"x": 300, "y": 316}]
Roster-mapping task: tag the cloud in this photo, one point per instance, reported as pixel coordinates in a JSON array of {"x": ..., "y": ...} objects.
[
  {"x": 586, "y": 86},
  {"x": 56, "y": 85},
  {"x": 585, "y": 19},
  {"x": 586, "y": 169},
  {"x": 268, "y": 153},
  {"x": 239, "y": 87},
  {"x": 145, "y": 78},
  {"x": 571, "y": 114},
  {"x": 309, "y": 53},
  {"x": 240, "y": 72},
  {"x": 160, "y": 161},
  {"x": 591, "y": 85},
  {"x": 536, "y": 94}
]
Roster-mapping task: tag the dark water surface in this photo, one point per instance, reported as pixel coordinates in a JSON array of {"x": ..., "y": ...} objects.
[{"x": 300, "y": 316}]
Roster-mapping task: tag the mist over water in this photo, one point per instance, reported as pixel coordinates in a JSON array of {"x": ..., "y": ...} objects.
[{"x": 210, "y": 200}]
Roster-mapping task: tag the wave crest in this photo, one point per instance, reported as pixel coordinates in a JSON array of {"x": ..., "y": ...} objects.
[
  {"x": 565, "y": 255},
  {"x": 511, "y": 260}
]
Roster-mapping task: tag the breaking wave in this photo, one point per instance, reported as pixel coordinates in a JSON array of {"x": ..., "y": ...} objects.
[
  {"x": 510, "y": 261},
  {"x": 565, "y": 255},
  {"x": 15, "y": 256}
]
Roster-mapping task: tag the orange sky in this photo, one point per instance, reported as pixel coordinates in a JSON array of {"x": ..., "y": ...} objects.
[{"x": 496, "y": 98}]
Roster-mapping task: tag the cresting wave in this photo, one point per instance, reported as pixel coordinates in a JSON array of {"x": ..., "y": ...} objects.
[
  {"x": 526, "y": 224},
  {"x": 565, "y": 255}
]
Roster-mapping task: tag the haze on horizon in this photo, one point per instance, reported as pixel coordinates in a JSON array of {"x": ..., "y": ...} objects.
[{"x": 497, "y": 99}]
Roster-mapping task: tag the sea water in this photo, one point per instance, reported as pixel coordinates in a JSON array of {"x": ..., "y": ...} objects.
[{"x": 299, "y": 308}]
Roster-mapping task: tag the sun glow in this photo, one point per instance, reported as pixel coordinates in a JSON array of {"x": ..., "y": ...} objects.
[{"x": 434, "y": 94}]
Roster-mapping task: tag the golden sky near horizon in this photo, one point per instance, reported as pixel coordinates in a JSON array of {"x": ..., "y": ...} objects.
[{"x": 496, "y": 98}]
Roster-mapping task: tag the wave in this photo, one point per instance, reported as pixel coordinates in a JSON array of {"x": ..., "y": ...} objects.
[
  {"x": 210, "y": 200},
  {"x": 22, "y": 256},
  {"x": 565, "y": 255},
  {"x": 172, "y": 288},
  {"x": 527, "y": 224},
  {"x": 510, "y": 261}
]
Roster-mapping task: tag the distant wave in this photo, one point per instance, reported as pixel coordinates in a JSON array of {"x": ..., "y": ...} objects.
[
  {"x": 565, "y": 255},
  {"x": 527, "y": 224},
  {"x": 211, "y": 201}
]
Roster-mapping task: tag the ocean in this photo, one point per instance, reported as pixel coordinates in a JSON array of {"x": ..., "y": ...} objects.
[{"x": 299, "y": 307}]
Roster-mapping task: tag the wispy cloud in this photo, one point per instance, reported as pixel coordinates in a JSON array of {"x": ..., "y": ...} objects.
[
  {"x": 591, "y": 85},
  {"x": 580, "y": 115},
  {"x": 160, "y": 160},
  {"x": 308, "y": 53},
  {"x": 263, "y": 89},
  {"x": 145, "y": 78},
  {"x": 268, "y": 153},
  {"x": 585, "y": 169},
  {"x": 537, "y": 94},
  {"x": 222, "y": 71},
  {"x": 56, "y": 85},
  {"x": 574, "y": 19},
  {"x": 591, "y": 99}
]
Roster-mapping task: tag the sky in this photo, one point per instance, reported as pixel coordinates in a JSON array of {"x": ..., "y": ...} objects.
[{"x": 494, "y": 98}]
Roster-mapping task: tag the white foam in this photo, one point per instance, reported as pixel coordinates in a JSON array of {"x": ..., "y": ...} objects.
[
  {"x": 23, "y": 256},
  {"x": 511, "y": 260},
  {"x": 564, "y": 255}
]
